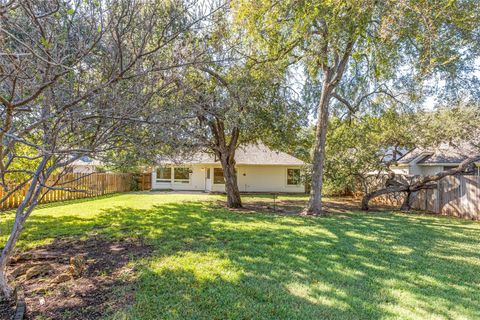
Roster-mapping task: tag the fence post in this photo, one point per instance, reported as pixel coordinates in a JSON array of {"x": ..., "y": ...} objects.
[
  {"x": 103, "y": 183},
  {"x": 439, "y": 194}
]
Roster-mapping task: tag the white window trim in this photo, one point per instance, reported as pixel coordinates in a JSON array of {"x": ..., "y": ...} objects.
[
  {"x": 213, "y": 177},
  {"x": 181, "y": 181},
  {"x": 286, "y": 178},
  {"x": 164, "y": 180}
]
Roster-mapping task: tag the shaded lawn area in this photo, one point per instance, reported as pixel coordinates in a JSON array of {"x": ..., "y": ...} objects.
[{"x": 212, "y": 263}]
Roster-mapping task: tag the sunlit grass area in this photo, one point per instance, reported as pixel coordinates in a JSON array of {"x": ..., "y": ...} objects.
[{"x": 212, "y": 263}]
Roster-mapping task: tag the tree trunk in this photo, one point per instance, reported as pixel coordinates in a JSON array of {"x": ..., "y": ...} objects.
[
  {"x": 22, "y": 212},
  {"x": 408, "y": 201},
  {"x": 314, "y": 206},
  {"x": 231, "y": 186},
  {"x": 5, "y": 288},
  {"x": 369, "y": 196},
  {"x": 226, "y": 153}
]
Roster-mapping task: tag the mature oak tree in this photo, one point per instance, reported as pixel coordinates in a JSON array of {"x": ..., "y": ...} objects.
[
  {"x": 378, "y": 42},
  {"x": 230, "y": 102}
]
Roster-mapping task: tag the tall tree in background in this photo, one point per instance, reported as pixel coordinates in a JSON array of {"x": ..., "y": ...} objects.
[
  {"x": 357, "y": 147},
  {"x": 360, "y": 148},
  {"x": 381, "y": 47}
]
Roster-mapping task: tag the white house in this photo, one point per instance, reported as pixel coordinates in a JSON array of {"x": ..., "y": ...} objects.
[
  {"x": 259, "y": 169},
  {"x": 429, "y": 162}
]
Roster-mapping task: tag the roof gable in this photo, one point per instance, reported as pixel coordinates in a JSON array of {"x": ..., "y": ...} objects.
[
  {"x": 443, "y": 154},
  {"x": 411, "y": 156}
]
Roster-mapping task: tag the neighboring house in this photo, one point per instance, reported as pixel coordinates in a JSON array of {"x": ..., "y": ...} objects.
[
  {"x": 259, "y": 169},
  {"x": 85, "y": 165},
  {"x": 429, "y": 162}
]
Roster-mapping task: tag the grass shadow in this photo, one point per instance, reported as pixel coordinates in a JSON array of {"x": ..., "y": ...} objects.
[
  {"x": 365, "y": 267},
  {"x": 211, "y": 263}
]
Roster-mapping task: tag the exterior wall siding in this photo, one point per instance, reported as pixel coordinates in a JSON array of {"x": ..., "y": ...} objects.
[
  {"x": 83, "y": 169},
  {"x": 251, "y": 178},
  {"x": 419, "y": 170},
  {"x": 196, "y": 183},
  {"x": 430, "y": 170},
  {"x": 400, "y": 170},
  {"x": 266, "y": 179}
]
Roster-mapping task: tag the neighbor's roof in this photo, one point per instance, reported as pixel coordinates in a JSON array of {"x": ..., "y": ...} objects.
[
  {"x": 86, "y": 161},
  {"x": 410, "y": 156},
  {"x": 252, "y": 154},
  {"x": 445, "y": 153}
]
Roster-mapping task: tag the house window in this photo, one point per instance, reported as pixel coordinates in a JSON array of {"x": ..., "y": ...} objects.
[
  {"x": 181, "y": 175},
  {"x": 208, "y": 173},
  {"x": 218, "y": 176},
  {"x": 293, "y": 177},
  {"x": 164, "y": 174}
]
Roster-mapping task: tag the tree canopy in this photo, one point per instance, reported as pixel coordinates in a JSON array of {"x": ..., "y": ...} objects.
[{"x": 355, "y": 51}]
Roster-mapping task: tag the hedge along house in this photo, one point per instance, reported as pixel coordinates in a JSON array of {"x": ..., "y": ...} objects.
[{"x": 259, "y": 169}]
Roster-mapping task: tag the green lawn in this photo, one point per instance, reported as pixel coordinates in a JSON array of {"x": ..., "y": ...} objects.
[{"x": 211, "y": 263}]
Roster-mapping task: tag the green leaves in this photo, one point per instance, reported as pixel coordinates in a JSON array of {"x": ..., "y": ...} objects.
[
  {"x": 45, "y": 43},
  {"x": 361, "y": 145},
  {"x": 430, "y": 37}
]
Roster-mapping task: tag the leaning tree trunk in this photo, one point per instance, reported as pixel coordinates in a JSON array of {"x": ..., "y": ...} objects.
[
  {"x": 7, "y": 251},
  {"x": 371, "y": 195},
  {"x": 22, "y": 212},
  {"x": 314, "y": 206},
  {"x": 408, "y": 201},
  {"x": 424, "y": 182},
  {"x": 331, "y": 77}
]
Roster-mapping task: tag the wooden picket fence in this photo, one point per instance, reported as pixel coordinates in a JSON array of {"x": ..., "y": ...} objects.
[{"x": 85, "y": 186}]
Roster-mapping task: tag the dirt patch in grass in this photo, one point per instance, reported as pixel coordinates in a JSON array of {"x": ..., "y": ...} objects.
[
  {"x": 295, "y": 207},
  {"x": 102, "y": 287},
  {"x": 279, "y": 207}
]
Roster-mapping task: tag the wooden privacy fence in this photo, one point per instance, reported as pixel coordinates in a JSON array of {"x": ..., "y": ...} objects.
[
  {"x": 454, "y": 195},
  {"x": 85, "y": 186},
  {"x": 144, "y": 181}
]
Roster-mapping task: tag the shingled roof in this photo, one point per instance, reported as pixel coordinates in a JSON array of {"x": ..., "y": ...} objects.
[
  {"x": 410, "y": 156},
  {"x": 252, "y": 154},
  {"x": 445, "y": 153}
]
